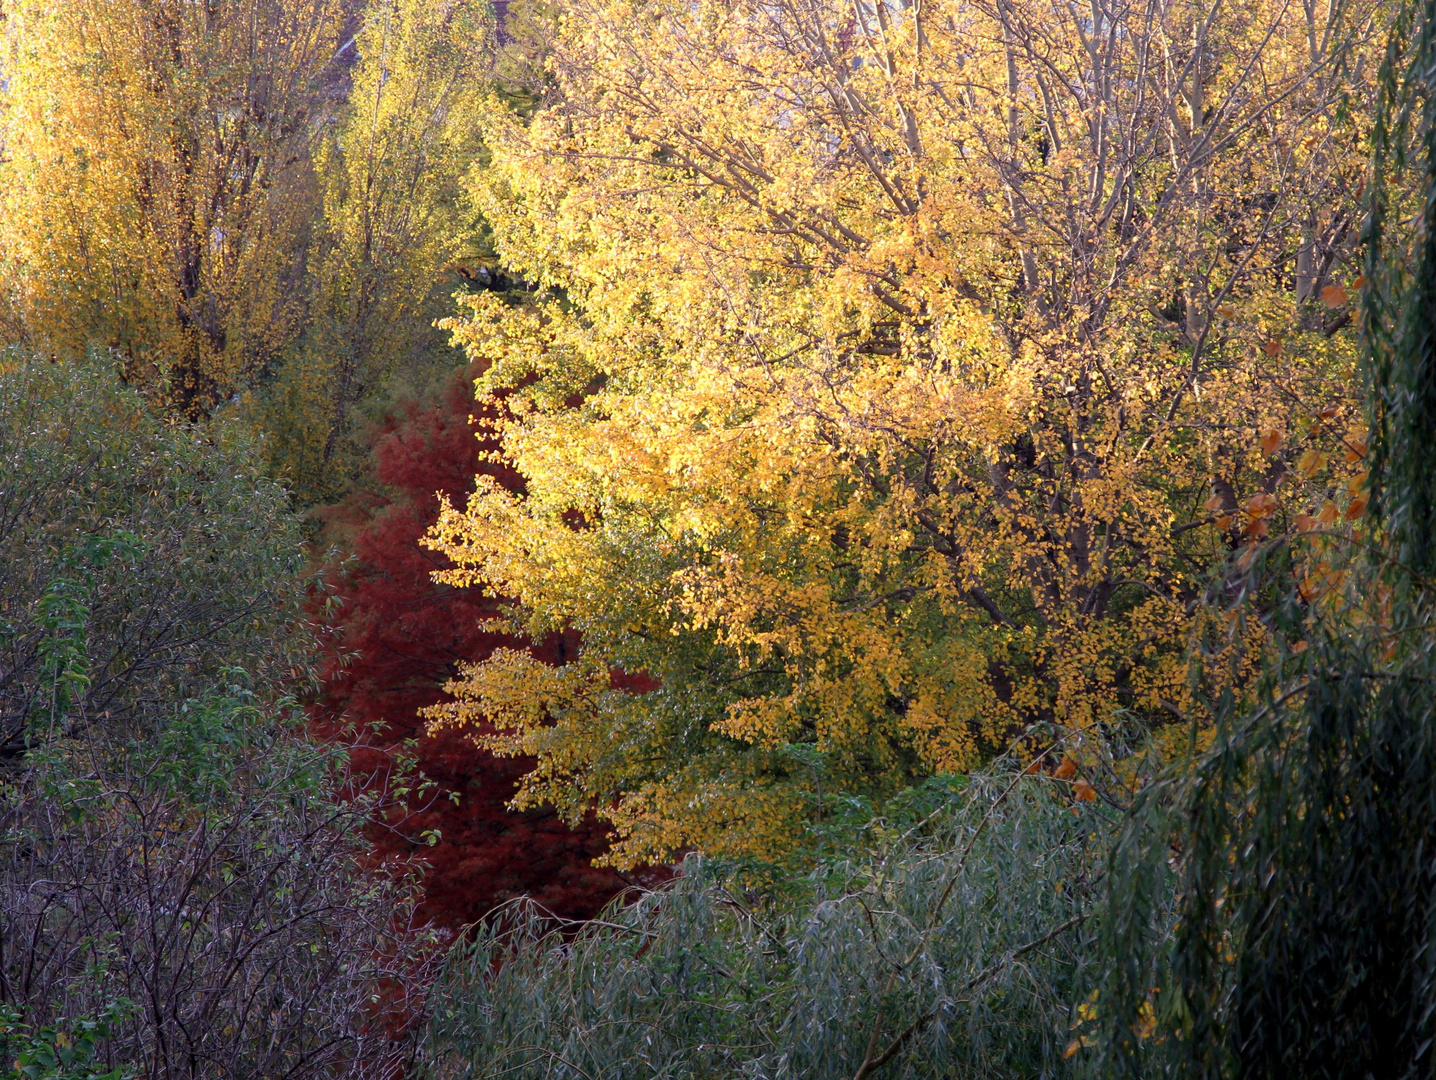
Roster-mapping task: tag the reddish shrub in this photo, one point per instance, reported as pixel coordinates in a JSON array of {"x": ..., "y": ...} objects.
[{"x": 395, "y": 638}]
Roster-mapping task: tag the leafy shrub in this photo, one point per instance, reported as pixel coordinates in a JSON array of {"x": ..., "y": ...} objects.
[
  {"x": 138, "y": 559},
  {"x": 168, "y": 836},
  {"x": 51, "y": 1054},
  {"x": 951, "y": 948}
]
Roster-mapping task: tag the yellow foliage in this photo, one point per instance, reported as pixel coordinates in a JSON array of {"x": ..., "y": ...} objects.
[
  {"x": 155, "y": 188},
  {"x": 392, "y": 233},
  {"x": 897, "y": 376}
]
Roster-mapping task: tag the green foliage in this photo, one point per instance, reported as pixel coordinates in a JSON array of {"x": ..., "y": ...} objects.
[
  {"x": 168, "y": 836},
  {"x": 52, "y": 1054},
  {"x": 1400, "y": 298},
  {"x": 138, "y": 559},
  {"x": 950, "y": 947},
  {"x": 210, "y": 874}
]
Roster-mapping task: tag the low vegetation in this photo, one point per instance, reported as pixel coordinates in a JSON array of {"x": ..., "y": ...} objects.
[{"x": 593, "y": 540}]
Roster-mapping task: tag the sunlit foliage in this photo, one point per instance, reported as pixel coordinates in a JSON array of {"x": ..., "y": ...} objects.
[
  {"x": 1299, "y": 844},
  {"x": 897, "y": 378},
  {"x": 390, "y": 247},
  {"x": 156, "y": 187},
  {"x": 391, "y": 638}
]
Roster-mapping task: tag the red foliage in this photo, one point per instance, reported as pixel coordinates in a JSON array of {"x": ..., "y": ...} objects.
[{"x": 396, "y": 638}]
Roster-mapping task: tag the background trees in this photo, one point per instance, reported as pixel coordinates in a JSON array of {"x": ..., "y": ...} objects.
[
  {"x": 394, "y": 241},
  {"x": 245, "y": 201},
  {"x": 928, "y": 360},
  {"x": 157, "y": 183}
]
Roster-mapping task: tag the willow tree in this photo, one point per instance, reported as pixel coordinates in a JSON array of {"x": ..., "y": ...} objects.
[
  {"x": 156, "y": 182},
  {"x": 927, "y": 357},
  {"x": 1302, "y": 939},
  {"x": 395, "y": 233}
]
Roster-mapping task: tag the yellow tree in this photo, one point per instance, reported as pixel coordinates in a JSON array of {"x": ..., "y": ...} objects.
[
  {"x": 394, "y": 226},
  {"x": 900, "y": 373},
  {"x": 156, "y": 190}
]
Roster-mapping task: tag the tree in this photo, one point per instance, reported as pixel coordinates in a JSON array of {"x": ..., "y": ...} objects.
[
  {"x": 899, "y": 376},
  {"x": 393, "y": 239},
  {"x": 1297, "y": 849},
  {"x": 141, "y": 560},
  {"x": 174, "y": 865},
  {"x": 157, "y": 182},
  {"x": 395, "y": 637}
]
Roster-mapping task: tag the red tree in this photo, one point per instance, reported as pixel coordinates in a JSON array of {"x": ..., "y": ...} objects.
[{"x": 395, "y": 638}]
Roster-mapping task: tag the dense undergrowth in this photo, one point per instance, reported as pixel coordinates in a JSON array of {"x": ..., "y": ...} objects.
[
  {"x": 177, "y": 875},
  {"x": 952, "y": 944}
]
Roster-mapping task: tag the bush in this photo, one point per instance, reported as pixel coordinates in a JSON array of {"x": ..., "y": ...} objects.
[
  {"x": 138, "y": 559},
  {"x": 949, "y": 949},
  {"x": 177, "y": 882}
]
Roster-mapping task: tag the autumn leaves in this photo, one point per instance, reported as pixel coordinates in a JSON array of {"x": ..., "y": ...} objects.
[{"x": 882, "y": 366}]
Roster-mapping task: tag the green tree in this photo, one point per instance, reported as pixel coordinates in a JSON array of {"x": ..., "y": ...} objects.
[
  {"x": 168, "y": 836},
  {"x": 138, "y": 558}
]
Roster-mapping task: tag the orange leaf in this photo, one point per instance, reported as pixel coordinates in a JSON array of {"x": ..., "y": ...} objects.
[
  {"x": 1305, "y": 522},
  {"x": 1309, "y": 462},
  {"x": 1261, "y": 505},
  {"x": 1214, "y": 503},
  {"x": 1271, "y": 348},
  {"x": 1067, "y": 769},
  {"x": 1360, "y": 282},
  {"x": 1326, "y": 413},
  {"x": 1256, "y": 528},
  {"x": 1223, "y": 521},
  {"x": 1035, "y": 767},
  {"x": 1328, "y": 513},
  {"x": 1357, "y": 507},
  {"x": 1073, "y": 1047},
  {"x": 1298, "y": 647},
  {"x": 1355, "y": 450},
  {"x": 1270, "y": 442},
  {"x": 1333, "y": 296},
  {"x": 1084, "y": 791}
]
